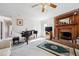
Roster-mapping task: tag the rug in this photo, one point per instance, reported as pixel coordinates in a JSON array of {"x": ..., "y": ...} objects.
[{"x": 54, "y": 48}]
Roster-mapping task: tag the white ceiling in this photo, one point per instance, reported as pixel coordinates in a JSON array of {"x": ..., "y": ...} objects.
[{"x": 25, "y": 10}]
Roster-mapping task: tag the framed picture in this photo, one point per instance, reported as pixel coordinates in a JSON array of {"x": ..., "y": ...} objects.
[{"x": 20, "y": 22}]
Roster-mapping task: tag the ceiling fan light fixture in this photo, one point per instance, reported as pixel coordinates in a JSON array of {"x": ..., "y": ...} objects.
[{"x": 44, "y": 6}]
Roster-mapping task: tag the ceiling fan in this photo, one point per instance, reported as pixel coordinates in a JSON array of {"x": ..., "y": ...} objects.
[{"x": 43, "y": 6}]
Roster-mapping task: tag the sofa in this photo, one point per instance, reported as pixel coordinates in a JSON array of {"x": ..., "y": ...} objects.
[{"x": 5, "y": 47}]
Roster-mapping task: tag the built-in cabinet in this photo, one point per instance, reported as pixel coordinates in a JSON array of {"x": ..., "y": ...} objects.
[{"x": 5, "y": 27}]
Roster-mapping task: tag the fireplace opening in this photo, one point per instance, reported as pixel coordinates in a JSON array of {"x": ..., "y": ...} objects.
[{"x": 65, "y": 35}]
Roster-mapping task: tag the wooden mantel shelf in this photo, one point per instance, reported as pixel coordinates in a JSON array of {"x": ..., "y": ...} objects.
[{"x": 65, "y": 25}]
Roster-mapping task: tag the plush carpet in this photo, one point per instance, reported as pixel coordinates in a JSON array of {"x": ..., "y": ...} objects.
[
  {"x": 16, "y": 46},
  {"x": 32, "y": 50}
]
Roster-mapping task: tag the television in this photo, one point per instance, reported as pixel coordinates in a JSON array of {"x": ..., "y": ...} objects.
[{"x": 48, "y": 29}]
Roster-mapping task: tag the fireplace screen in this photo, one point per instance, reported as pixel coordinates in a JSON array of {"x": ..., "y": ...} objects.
[{"x": 65, "y": 35}]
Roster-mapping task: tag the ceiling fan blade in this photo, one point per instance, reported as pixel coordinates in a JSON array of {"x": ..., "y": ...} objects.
[
  {"x": 52, "y": 5},
  {"x": 35, "y": 5},
  {"x": 43, "y": 7}
]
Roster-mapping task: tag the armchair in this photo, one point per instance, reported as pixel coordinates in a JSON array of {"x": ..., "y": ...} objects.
[{"x": 5, "y": 48}]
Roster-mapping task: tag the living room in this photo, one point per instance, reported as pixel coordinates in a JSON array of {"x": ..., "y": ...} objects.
[{"x": 19, "y": 17}]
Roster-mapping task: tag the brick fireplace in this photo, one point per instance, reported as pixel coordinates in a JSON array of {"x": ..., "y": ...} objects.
[{"x": 65, "y": 35}]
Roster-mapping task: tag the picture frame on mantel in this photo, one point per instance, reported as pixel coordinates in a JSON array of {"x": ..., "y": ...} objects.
[{"x": 19, "y": 22}]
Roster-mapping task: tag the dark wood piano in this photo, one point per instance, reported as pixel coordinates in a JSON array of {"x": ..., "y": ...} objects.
[{"x": 27, "y": 34}]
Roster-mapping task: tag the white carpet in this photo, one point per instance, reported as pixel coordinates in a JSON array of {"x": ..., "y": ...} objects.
[{"x": 32, "y": 50}]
